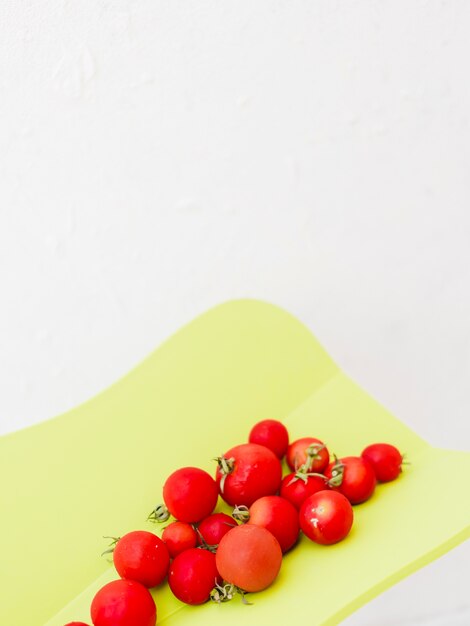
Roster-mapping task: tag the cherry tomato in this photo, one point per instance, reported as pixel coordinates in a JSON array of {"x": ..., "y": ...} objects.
[
  {"x": 307, "y": 454},
  {"x": 385, "y": 459},
  {"x": 272, "y": 434},
  {"x": 123, "y": 603},
  {"x": 214, "y": 527},
  {"x": 249, "y": 557},
  {"x": 248, "y": 472},
  {"x": 190, "y": 494},
  {"x": 141, "y": 556},
  {"x": 278, "y": 516},
  {"x": 193, "y": 574},
  {"x": 352, "y": 476},
  {"x": 179, "y": 536},
  {"x": 326, "y": 517},
  {"x": 297, "y": 487}
]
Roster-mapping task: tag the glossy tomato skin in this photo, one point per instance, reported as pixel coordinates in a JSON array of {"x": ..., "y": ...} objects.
[
  {"x": 297, "y": 455},
  {"x": 190, "y": 494},
  {"x": 123, "y": 603},
  {"x": 214, "y": 527},
  {"x": 298, "y": 490},
  {"x": 272, "y": 434},
  {"x": 178, "y": 537},
  {"x": 141, "y": 556},
  {"x": 326, "y": 517},
  {"x": 249, "y": 557},
  {"x": 358, "y": 479},
  {"x": 278, "y": 516},
  {"x": 192, "y": 576},
  {"x": 385, "y": 459},
  {"x": 256, "y": 472}
]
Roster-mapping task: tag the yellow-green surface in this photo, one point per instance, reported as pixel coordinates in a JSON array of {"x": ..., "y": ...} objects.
[{"x": 99, "y": 469}]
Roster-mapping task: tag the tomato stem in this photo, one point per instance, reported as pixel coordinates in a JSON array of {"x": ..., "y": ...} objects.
[
  {"x": 241, "y": 513},
  {"x": 225, "y": 593},
  {"x": 243, "y": 595},
  {"x": 226, "y": 467},
  {"x": 211, "y": 547},
  {"x": 312, "y": 454},
  {"x": 337, "y": 473},
  {"x": 222, "y": 593},
  {"x": 159, "y": 514},
  {"x": 301, "y": 475},
  {"x": 112, "y": 545},
  {"x": 314, "y": 449}
]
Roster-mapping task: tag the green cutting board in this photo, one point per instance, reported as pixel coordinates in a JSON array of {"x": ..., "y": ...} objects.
[{"x": 99, "y": 469}]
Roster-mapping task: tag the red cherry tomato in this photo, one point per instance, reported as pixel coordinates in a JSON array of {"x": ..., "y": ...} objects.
[
  {"x": 352, "y": 476},
  {"x": 190, "y": 494},
  {"x": 272, "y": 434},
  {"x": 249, "y": 557},
  {"x": 308, "y": 454},
  {"x": 123, "y": 603},
  {"x": 248, "y": 472},
  {"x": 193, "y": 574},
  {"x": 214, "y": 527},
  {"x": 326, "y": 517},
  {"x": 298, "y": 487},
  {"x": 385, "y": 459},
  {"x": 141, "y": 556},
  {"x": 278, "y": 516},
  {"x": 179, "y": 536}
]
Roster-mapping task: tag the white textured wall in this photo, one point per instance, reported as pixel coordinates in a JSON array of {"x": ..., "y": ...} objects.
[{"x": 159, "y": 157}]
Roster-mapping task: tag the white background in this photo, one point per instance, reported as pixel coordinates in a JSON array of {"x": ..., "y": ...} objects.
[{"x": 157, "y": 158}]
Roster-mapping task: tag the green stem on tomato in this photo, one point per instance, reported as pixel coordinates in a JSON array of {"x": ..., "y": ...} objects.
[
  {"x": 226, "y": 467},
  {"x": 159, "y": 514}
]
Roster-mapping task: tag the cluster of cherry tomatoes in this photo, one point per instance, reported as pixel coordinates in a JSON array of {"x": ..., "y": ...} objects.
[{"x": 207, "y": 555}]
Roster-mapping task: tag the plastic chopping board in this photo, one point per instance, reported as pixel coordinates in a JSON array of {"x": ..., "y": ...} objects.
[{"x": 99, "y": 469}]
